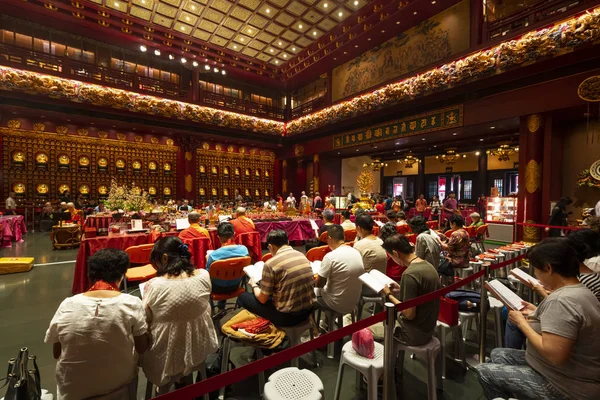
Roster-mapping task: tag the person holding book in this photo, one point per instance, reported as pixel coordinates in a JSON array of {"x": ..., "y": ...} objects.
[
  {"x": 417, "y": 324},
  {"x": 337, "y": 285},
  {"x": 427, "y": 245},
  {"x": 284, "y": 295},
  {"x": 562, "y": 359},
  {"x": 369, "y": 247},
  {"x": 346, "y": 223},
  {"x": 458, "y": 244},
  {"x": 228, "y": 249}
]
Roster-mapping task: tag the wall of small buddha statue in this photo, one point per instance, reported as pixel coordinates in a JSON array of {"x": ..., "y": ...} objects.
[{"x": 38, "y": 165}]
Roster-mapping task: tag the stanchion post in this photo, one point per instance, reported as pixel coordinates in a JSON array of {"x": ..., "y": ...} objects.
[
  {"x": 483, "y": 312},
  {"x": 389, "y": 361}
]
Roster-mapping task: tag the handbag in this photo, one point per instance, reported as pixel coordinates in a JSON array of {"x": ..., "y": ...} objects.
[
  {"x": 448, "y": 313},
  {"x": 23, "y": 383},
  {"x": 445, "y": 268}
]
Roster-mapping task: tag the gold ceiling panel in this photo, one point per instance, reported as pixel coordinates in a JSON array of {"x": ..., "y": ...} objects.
[
  {"x": 255, "y": 44},
  {"x": 218, "y": 41},
  {"x": 263, "y": 57},
  {"x": 251, "y": 4},
  {"x": 208, "y": 26},
  {"x": 141, "y": 13},
  {"x": 224, "y": 32},
  {"x": 296, "y": 8},
  {"x": 289, "y": 35},
  {"x": 282, "y": 44},
  {"x": 272, "y": 51},
  {"x": 280, "y": 3},
  {"x": 267, "y": 10},
  {"x": 294, "y": 48},
  {"x": 149, "y": 4},
  {"x": 193, "y": 7},
  {"x": 275, "y": 61},
  {"x": 240, "y": 13},
  {"x": 205, "y": 2},
  {"x": 249, "y": 52},
  {"x": 312, "y": 16},
  {"x": 187, "y": 18},
  {"x": 97, "y": 1},
  {"x": 233, "y": 46},
  {"x": 201, "y": 35},
  {"x": 265, "y": 37},
  {"x": 352, "y": 4},
  {"x": 221, "y": 5},
  {"x": 182, "y": 28},
  {"x": 250, "y": 31},
  {"x": 163, "y": 21},
  {"x": 214, "y": 16},
  {"x": 241, "y": 39},
  {"x": 258, "y": 21},
  {"x": 327, "y": 24},
  {"x": 310, "y": 2},
  {"x": 285, "y": 19},
  {"x": 117, "y": 5},
  {"x": 274, "y": 28},
  {"x": 233, "y": 24},
  {"x": 340, "y": 14},
  {"x": 166, "y": 10},
  {"x": 300, "y": 26},
  {"x": 303, "y": 41},
  {"x": 175, "y": 3},
  {"x": 284, "y": 56}
]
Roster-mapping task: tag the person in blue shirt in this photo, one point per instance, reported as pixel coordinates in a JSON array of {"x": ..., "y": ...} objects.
[{"x": 228, "y": 249}]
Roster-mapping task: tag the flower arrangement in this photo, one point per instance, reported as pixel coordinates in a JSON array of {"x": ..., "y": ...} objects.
[
  {"x": 116, "y": 197},
  {"x": 123, "y": 198}
]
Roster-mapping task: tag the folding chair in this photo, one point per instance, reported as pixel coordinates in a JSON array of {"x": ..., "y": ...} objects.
[
  {"x": 317, "y": 253},
  {"x": 230, "y": 269},
  {"x": 139, "y": 255}
]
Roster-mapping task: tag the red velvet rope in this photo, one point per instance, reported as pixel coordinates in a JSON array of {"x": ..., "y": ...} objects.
[
  {"x": 238, "y": 374},
  {"x": 569, "y": 228}
]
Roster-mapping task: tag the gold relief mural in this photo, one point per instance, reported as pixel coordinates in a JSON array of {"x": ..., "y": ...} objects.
[
  {"x": 14, "y": 124},
  {"x": 435, "y": 39},
  {"x": 188, "y": 183},
  {"x": 102, "y": 134},
  {"x": 62, "y": 130},
  {"x": 42, "y": 189},
  {"x": 138, "y": 138},
  {"x": 18, "y": 188},
  {"x": 39, "y": 127},
  {"x": 533, "y": 123},
  {"x": 82, "y": 132},
  {"x": 533, "y": 176},
  {"x": 84, "y": 189}
]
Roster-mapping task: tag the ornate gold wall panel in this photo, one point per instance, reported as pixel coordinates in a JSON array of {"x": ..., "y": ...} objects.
[{"x": 40, "y": 165}]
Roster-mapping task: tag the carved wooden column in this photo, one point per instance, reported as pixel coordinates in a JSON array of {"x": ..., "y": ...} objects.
[
  {"x": 315, "y": 178},
  {"x": 531, "y": 154},
  {"x": 186, "y": 167},
  {"x": 284, "y": 173}
]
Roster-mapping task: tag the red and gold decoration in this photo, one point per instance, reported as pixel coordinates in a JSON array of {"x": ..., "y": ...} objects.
[
  {"x": 365, "y": 182},
  {"x": 590, "y": 177}
]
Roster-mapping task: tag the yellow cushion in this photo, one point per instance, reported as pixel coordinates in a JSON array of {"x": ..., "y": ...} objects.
[{"x": 9, "y": 265}]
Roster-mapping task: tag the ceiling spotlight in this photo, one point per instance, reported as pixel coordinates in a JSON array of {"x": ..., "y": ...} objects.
[
  {"x": 207, "y": 67},
  {"x": 481, "y": 140},
  {"x": 194, "y": 7},
  {"x": 268, "y": 10},
  {"x": 455, "y": 133},
  {"x": 183, "y": 60},
  {"x": 293, "y": 49},
  {"x": 492, "y": 127},
  {"x": 355, "y": 2},
  {"x": 183, "y": 28},
  {"x": 279, "y": 43},
  {"x": 157, "y": 52},
  {"x": 314, "y": 33},
  {"x": 340, "y": 14},
  {"x": 241, "y": 39},
  {"x": 382, "y": 31},
  {"x": 397, "y": 22},
  {"x": 271, "y": 50},
  {"x": 300, "y": 26},
  {"x": 143, "y": 48},
  {"x": 325, "y": 5},
  {"x": 249, "y": 30},
  {"x": 276, "y": 61},
  {"x": 116, "y": 4},
  {"x": 423, "y": 139},
  {"x": 356, "y": 46},
  {"x": 223, "y": 72},
  {"x": 216, "y": 70},
  {"x": 195, "y": 64},
  {"x": 235, "y": 47},
  {"x": 369, "y": 39},
  {"x": 477, "y": 152},
  {"x": 356, "y": 149},
  {"x": 433, "y": 2},
  {"x": 285, "y": 56},
  {"x": 171, "y": 57},
  {"x": 415, "y": 13}
]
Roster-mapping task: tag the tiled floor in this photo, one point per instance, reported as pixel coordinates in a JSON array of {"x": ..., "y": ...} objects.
[{"x": 29, "y": 300}]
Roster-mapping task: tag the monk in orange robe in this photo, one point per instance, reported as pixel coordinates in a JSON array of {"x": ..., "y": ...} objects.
[
  {"x": 241, "y": 223},
  {"x": 75, "y": 216},
  {"x": 195, "y": 230}
]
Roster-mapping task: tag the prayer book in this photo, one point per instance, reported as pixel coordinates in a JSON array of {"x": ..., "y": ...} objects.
[
  {"x": 505, "y": 295},
  {"x": 524, "y": 277},
  {"x": 255, "y": 271},
  {"x": 379, "y": 223},
  {"x": 376, "y": 280},
  {"x": 224, "y": 218},
  {"x": 316, "y": 266},
  {"x": 181, "y": 224},
  {"x": 313, "y": 224}
]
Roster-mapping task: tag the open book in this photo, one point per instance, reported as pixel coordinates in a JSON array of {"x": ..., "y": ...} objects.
[
  {"x": 255, "y": 271},
  {"x": 505, "y": 295},
  {"x": 376, "y": 280},
  {"x": 524, "y": 277},
  {"x": 316, "y": 266},
  {"x": 379, "y": 223}
]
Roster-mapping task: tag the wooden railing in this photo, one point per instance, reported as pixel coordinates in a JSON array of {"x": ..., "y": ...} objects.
[
  {"x": 65, "y": 67},
  {"x": 308, "y": 107},
  {"x": 548, "y": 10}
]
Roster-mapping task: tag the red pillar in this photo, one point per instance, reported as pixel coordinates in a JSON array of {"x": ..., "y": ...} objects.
[
  {"x": 531, "y": 155},
  {"x": 300, "y": 178},
  {"x": 315, "y": 177},
  {"x": 284, "y": 182}
]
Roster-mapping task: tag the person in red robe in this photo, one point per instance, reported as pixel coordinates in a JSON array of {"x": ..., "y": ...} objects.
[
  {"x": 241, "y": 223},
  {"x": 195, "y": 230}
]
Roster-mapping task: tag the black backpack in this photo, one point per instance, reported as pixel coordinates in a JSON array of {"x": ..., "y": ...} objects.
[{"x": 464, "y": 297}]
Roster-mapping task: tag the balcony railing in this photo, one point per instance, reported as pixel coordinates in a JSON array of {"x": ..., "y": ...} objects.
[
  {"x": 21, "y": 58},
  {"x": 543, "y": 11},
  {"x": 308, "y": 107}
]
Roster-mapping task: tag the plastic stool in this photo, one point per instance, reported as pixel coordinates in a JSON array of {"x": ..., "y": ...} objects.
[
  {"x": 294, "y": 333},
  {"x": 464, "y": 273},
  {"x": 365, "y": 300},
  {"x": 370, "y": 368},
  {"x": 459, "y": 345},
  {"x": 497, "y": 306},
  {"x": 201, "y": 374},
  {"x": 294, "y": 384},
  {"x": 331, "y": 317},
  {"x": 431, "y": 353},
  {"x": 227, "y": 341},
  {"x": 466, "y": 319}
]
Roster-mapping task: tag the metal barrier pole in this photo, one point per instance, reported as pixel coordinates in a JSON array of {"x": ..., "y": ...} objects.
[
  {"x": 389, "y": 360},
  {"x": 483, "y": 312}
]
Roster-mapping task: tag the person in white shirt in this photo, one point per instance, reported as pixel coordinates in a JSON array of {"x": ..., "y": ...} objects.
[
  {"x": 97, "y": 335},
  {"x": 337, "y": 285},
  {"x": 11, "y": 204},
  {"x": 291, "y": 201},
  {"x": 346, "y": 222}
]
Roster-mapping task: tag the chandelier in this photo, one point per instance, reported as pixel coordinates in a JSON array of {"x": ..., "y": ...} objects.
[
  {"x": 451, "y": 156},
  {"x": 409, "y": 161},
  {"x": 376, "y": 165},
  {"x": 503, "y": 152}
]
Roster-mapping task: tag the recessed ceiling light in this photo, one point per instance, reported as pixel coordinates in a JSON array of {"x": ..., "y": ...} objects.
[
  {"x": 339, "y": 153},
  {"x": 183, "y": 60},
  {"x": 314, "y": 33},
  {"x": 157, "y": 52},
  {"x": 492, "y": 127},
  {"x": 223, "y": 72},
  {"x": 340, "y": 14},
  {"x": 455, "y": 133},
  {"x": 435, "y": 145},
  {"x": 207, "y": 67},
  {"x": 355, "y": 45},
  {"x": 355, "y": 2},
  {"x": 171, "y": 57},
  {"x": 382, "y": 31},
  {"x": 369, "y": 39},
  {"x": 276, "y": 61},
  {"x": 187, "y": 18},
  {"x": 476, "y": 153},
  {"x": 183, "y": 28},
  {"x": 433, "y": 2},
  {"x": 249, "y": 30},
  {"x": 195, "y": 63},
  {"x": 271, "y": 50},
  {"x": 143, "y": 48},
  {"x": 374, "y": 147},
  {"x": 481, "y": 140},
  {"x": 116, "y": 4},
  {"x": 397, "y": 22},
  {"x": 235, "y": 46},
  {"x": 300, "y": 26},
  {"x": 268, "y": 10},
  {"x": 241, "y": 39},
  {"x": 216, "y": 70},
  {"x": 334, "y": 58},
  {"x": 356, "y": 149},
  {"x": 279, "y": 43},
  {"x": 293, "y": 49},
  {"x": 193, "y": 7},
  {"x": 325, "y": 5},
  {"x": 423, "y": 139},
  {"x": 285, "y": 56},
  {"x": 345, "y": 52},
  {"x": 143, "y": 1}
]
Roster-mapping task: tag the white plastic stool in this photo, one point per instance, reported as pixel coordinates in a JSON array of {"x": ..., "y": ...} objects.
[
  {"x": 459, "y": 345},
  {"x": 294, "y": 384},
  {"x": 464, "y": 273},
  {"x": 466, "y": 319},
  {"x": 227, "y": 342},
  {"x": 201, "y": 374},
  {"x": 370, "y": 368},
  {"x": 430, "y": 352},
  {"x": 332, "y": 316},
  {"x": 496, "y": 306},
  {"x": 365, "y": 300},
  {"x": 294, "y": 333}
]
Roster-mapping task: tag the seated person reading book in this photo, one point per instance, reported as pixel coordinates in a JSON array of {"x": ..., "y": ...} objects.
[
  {"x": 417, "y": 324},
  {"x": 195, "y": 230},
  {"x": 562, "y": 359},
  {"x": 285, "y": 294}
]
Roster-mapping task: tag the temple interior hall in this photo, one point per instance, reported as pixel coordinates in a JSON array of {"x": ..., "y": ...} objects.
[{"x": 198, "y": 197}]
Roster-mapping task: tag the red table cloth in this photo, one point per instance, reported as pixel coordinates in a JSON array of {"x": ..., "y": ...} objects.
[
  {"x": 12, "y": 228},
  {"x": 98, "y": 221},
  {"x": 89, "y": 246},
  {"x": 298, "y": 230}
]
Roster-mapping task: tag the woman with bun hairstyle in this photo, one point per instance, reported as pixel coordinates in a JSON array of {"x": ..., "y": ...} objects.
[{"x": 178, "y": 314}]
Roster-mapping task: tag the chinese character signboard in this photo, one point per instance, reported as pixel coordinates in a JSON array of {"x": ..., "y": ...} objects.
[{"x": 437, "y": 120}]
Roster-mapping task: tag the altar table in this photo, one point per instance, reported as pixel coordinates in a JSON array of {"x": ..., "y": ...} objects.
[
  {"x": 298, "y": 230},
  {"x": 98, "y": 222},
  {"x": 12, "y": 228}
]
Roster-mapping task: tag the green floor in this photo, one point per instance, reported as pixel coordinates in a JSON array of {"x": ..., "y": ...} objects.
[{"x": 29, "y": 300}]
